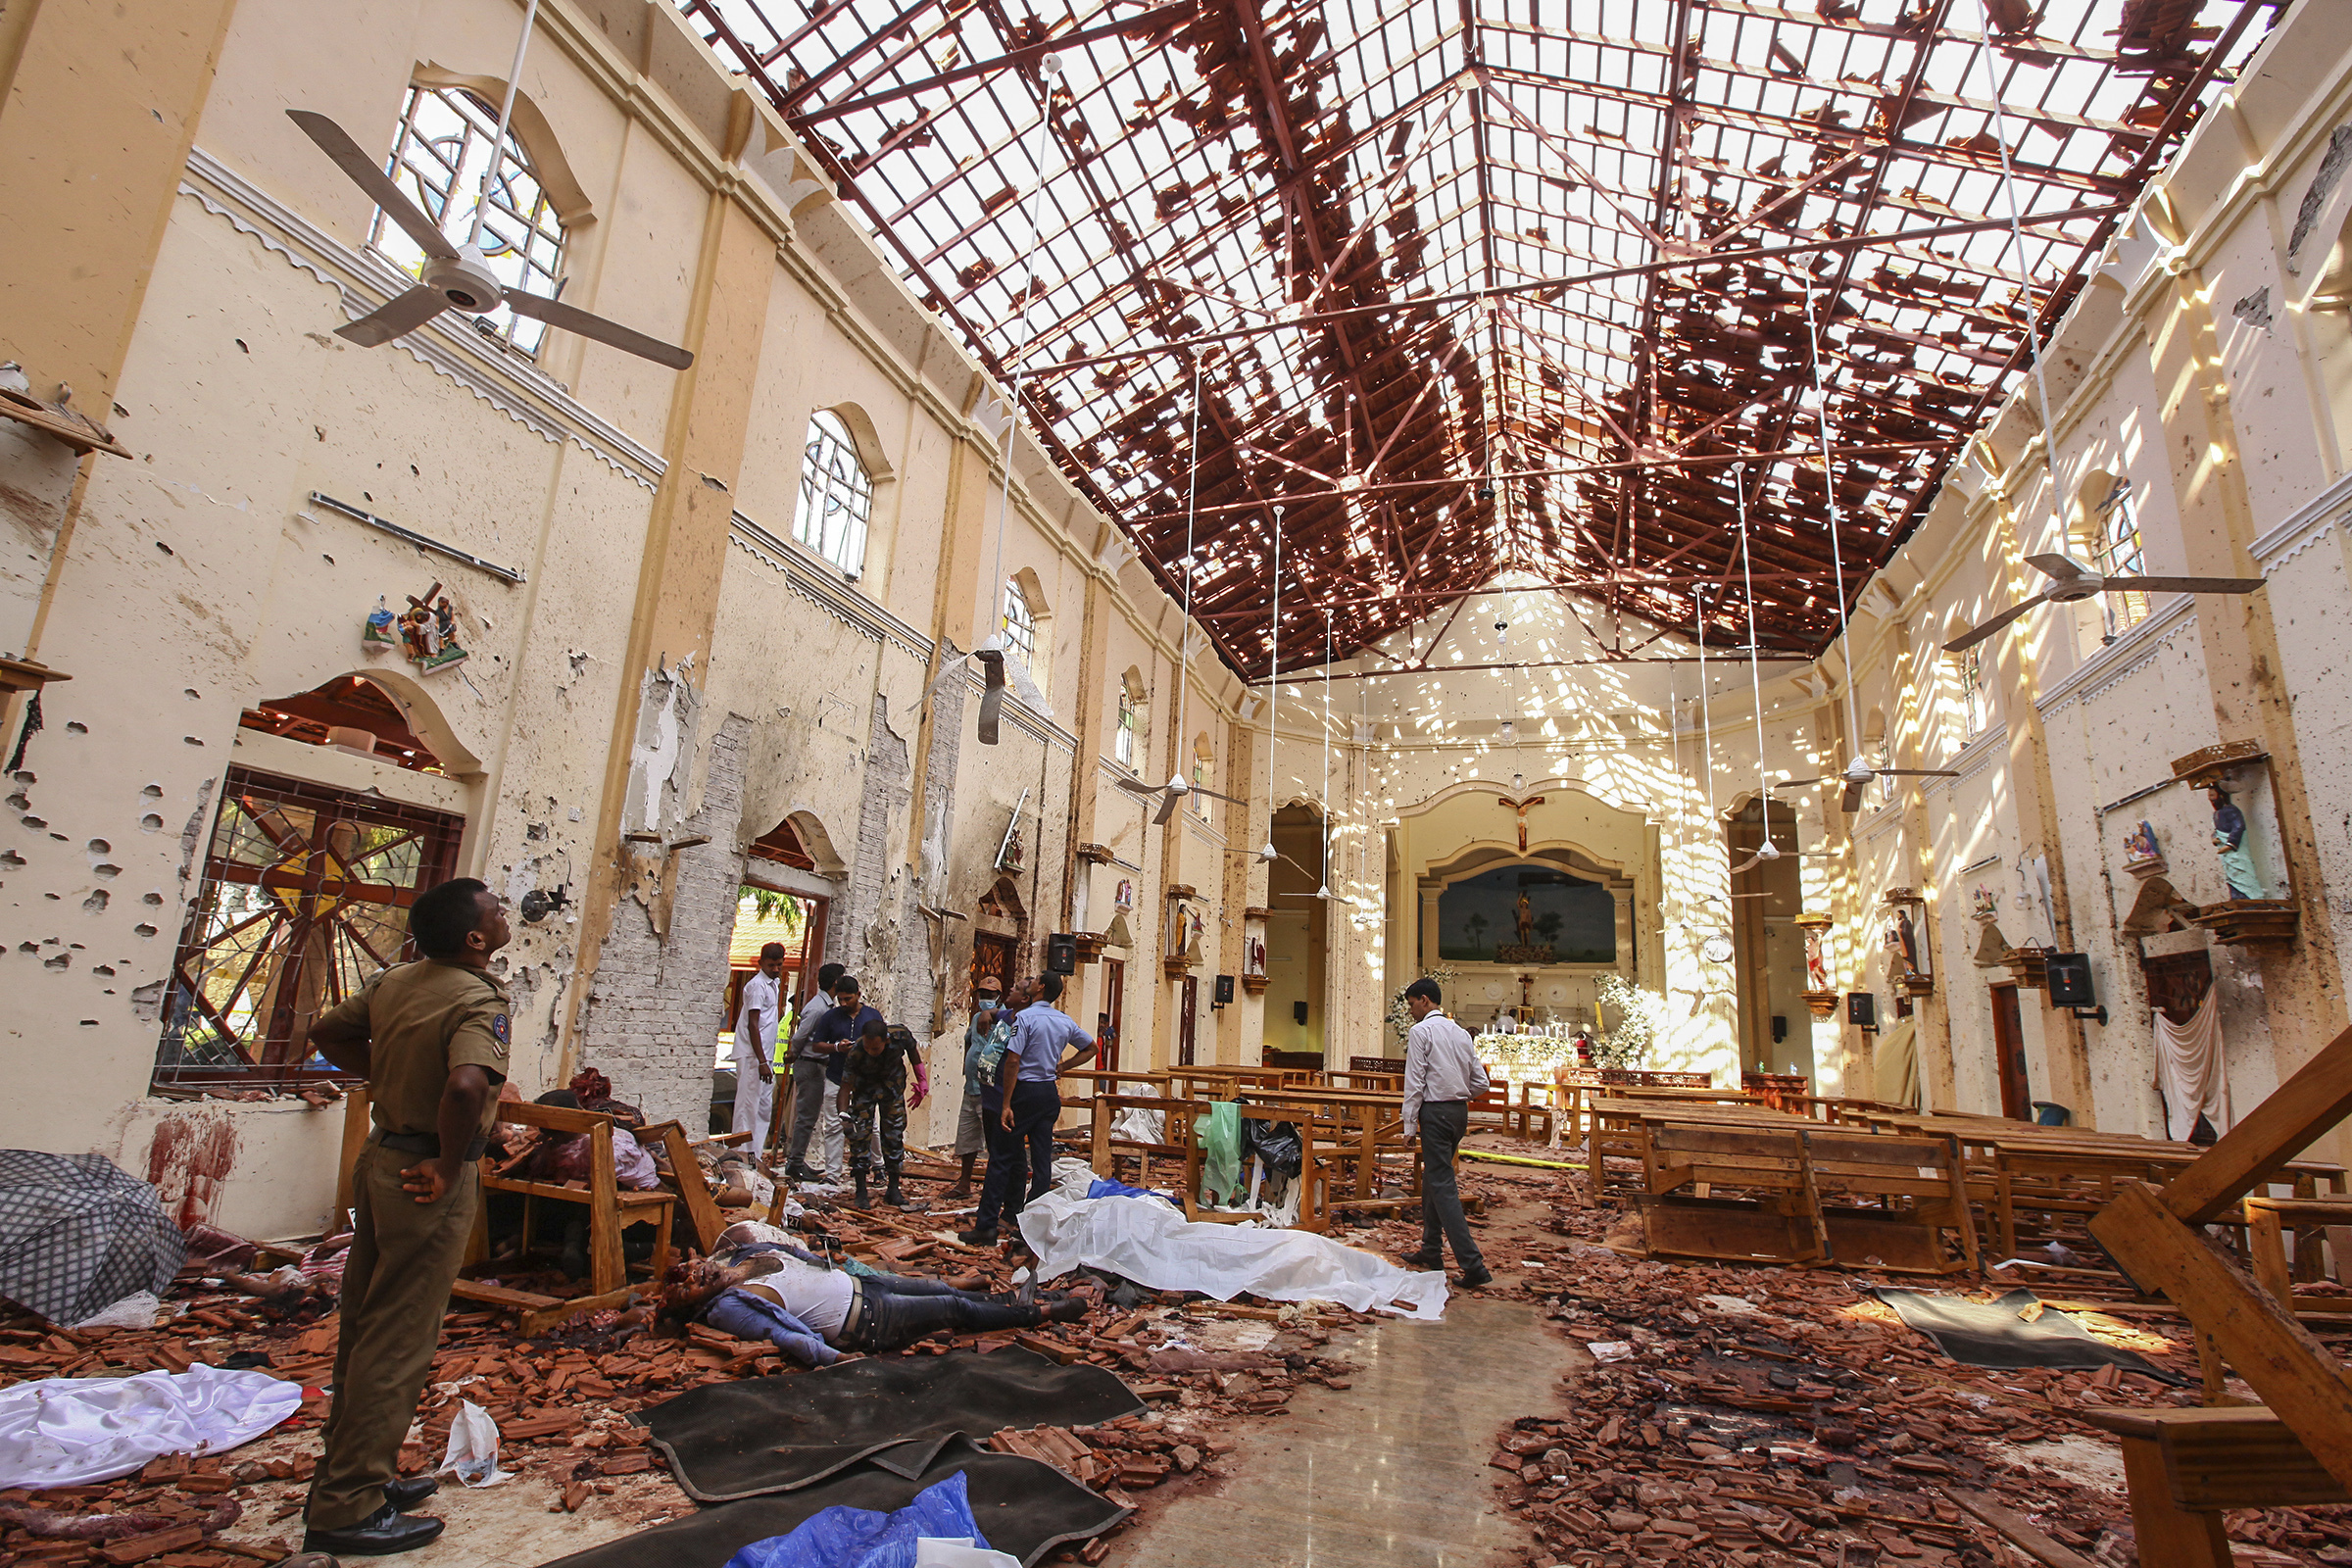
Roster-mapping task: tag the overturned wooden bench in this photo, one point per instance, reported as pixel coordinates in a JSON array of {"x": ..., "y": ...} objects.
[{"x": 2186, "y": 1467}]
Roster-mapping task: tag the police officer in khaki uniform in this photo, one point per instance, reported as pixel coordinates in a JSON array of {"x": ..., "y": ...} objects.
[{"x": 430, "y": 1038}]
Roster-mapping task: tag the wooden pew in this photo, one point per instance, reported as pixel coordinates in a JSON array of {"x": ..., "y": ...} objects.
[
  {"x": 2186, "y": 1467},
  {"x": 1815, "y": 1195}
]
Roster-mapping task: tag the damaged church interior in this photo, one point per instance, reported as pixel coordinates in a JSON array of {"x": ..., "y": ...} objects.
[{"x": 943, "y": 783}]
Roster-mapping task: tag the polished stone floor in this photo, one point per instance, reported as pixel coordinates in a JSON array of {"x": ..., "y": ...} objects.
[{"x": 1390, "y": 1470}]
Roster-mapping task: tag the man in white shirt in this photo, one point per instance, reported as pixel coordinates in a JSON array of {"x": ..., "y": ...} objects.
[
  {"x": 754, "y": 1047},
  {"x": 1441, "y": 1076}
]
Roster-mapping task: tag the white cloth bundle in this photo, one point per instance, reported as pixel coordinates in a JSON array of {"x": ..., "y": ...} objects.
[
  {"x": 1153, "y": 1245},
  {"x": 68, "y": 1431}
]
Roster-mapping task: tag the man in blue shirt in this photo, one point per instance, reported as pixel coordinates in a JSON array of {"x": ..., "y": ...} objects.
[{"x": 1021, "y": 1134}]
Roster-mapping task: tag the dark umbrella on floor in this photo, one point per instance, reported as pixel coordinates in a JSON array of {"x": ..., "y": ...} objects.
[{"x": 77, "y": 1235}]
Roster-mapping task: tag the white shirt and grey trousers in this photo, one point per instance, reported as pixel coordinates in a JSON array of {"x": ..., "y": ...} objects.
[{"x": 1441, "y": 1076}]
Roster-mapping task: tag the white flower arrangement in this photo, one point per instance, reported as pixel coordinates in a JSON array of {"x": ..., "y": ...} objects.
[{"x": 1640, "y": 1016}]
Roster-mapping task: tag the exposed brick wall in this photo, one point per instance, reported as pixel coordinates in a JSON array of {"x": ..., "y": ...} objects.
[
  {"x": 873, "y": 932},
  {"x": 653, "y": 1016}
]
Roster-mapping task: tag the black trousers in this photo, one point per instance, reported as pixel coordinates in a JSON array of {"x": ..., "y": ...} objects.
[
  {"x": 899, "y": 1310},
  {"x": 1443, "y": 1123},
  {"x": 1021, "y": 1159}
]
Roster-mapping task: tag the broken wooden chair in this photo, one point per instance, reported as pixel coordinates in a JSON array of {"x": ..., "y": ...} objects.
[{"x": 2156, "y": 1236}]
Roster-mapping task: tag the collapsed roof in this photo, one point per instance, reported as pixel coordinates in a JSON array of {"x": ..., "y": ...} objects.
[{"x": 1476, "y": 288}]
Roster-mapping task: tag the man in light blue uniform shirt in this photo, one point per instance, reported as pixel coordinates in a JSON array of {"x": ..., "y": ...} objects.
[{"x": 1024, "y": 1125}]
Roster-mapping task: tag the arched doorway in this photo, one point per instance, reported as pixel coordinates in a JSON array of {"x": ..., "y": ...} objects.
[
  {"x": 1768, "y": 950},
  {"x": 1298, "y": 941}
]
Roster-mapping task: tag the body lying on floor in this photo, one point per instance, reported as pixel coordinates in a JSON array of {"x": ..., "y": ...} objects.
[{"x": 758, "y": 1285}]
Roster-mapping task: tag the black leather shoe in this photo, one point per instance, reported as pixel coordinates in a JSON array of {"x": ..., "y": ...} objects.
[
  {"x": 1421, "y": 1260},
  {"x": 978, "y": 1238},
  {"x": 409, "y": 1491},
  {"x": 1473, "y": 1278},
  {"x": 380, "y": 1534}
]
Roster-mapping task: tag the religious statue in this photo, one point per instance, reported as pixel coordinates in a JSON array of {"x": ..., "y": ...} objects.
[
  {"x": 1522, "y": 807},
  {"x": 380, "y": 626},
  {"x": 2140, "y": 851},
  {"x": 1123, "y": 898},
  {"x": 2229, "y": 839},
  {"x": 1817, "y": 968},
  {"x": 1257, "y": 956},
  {"x": 1902, "y": 945},
  {"x": 1525, "y": 915},
  {"x": 428, "y": 631}
]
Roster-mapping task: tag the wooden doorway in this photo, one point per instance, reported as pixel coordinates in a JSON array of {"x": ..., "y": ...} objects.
[
  {"x": 2009, "y": 1050},
  {"x": 1188, "y": 1018},
  {"x": 1114, "y": 1009},
  {"x": 992, "y": 962}
]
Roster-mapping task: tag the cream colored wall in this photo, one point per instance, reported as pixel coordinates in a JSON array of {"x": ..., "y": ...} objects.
[
  {"x": 202, "y": 560},
  {"x": 2167, "y": 374}
]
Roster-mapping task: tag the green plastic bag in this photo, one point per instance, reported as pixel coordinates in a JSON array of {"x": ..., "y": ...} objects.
[{"x": 1219, "y": 1135}]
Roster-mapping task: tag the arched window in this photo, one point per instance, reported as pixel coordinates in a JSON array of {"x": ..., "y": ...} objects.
[
  {"x": 1968, "y": 666},
  {"x": 1204, "y": 764},
  {"x": 1019, "y": 624},
  {"x": 837, "y": 495},
  {"x": 1127, "y": 742},
  {"x": 438, "y": 159},
  {"x": 2115, "y": 551}
]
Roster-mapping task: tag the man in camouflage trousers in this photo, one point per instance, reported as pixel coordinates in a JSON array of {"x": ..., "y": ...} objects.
[{"x": 873, "y": 1085}]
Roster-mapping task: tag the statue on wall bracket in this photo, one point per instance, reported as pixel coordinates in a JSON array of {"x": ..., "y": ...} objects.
[{"x": 427, "y": 631}]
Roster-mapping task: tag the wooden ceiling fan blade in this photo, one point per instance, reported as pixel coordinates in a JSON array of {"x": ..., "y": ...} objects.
[
  {"x": 2050, "y": 566},
  {"x": 1167, "y": 810},
  {"x": 1851, "y": 800},
  {"x": 1970, "y": 638},
  {"x": 1136, "y": 786},
  {"x": 1803, "y": 783},
  {"x": 404, "y": 312},
  {"x": 2184, "y": 585},
  {"x": 555, "y": 312},
  {"x": 1917, "y": 772},
  {"x": 1220, "y": 795},
  {"x": 361, "y": 170}
]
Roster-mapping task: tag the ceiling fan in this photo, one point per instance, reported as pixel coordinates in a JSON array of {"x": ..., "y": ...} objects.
[
  {"x": 458, "y": 278},
  {"x": 2072, "y": 582},
  {"x": 1857, "y": 776},
  {"x": 1174, "y": 790},
  {"x": 1765, "y": 850}
]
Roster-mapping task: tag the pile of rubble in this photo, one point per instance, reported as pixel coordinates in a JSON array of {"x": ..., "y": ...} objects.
[
  {"x": 565, "y": 1402},
  {"x": 1734, "y": 1415}
]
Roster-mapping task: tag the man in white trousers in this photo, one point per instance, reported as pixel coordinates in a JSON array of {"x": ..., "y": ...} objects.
[{"x": 755, "y": 1047}]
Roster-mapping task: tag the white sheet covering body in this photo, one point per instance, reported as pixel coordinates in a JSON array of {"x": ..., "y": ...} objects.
[
  {"x": 68, "y": 1431},
  {"x": 1153, "y": 1243}
]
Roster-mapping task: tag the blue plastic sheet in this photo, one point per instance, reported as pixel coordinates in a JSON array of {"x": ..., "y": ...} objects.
[
  {"x": 1101, "y": 1187},
  {"x": 862, "y": 1538}
]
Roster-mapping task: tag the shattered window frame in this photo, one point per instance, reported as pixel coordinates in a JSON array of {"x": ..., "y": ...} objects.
[
  {"x": 303, "y": 897},
  {"x": 833, "y": 514},
  {"x": 2116, "y": 553},
  {"x": 1018, "y": 625}
]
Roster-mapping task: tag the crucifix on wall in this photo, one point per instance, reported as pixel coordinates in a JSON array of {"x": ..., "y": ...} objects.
[{"x": 1521, "y": 806}]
